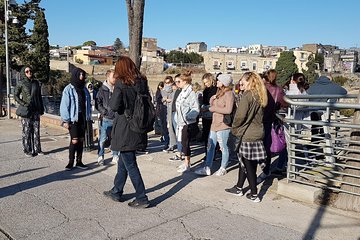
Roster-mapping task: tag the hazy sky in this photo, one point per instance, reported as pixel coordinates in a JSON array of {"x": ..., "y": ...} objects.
[{"x": 233, "y": 23}]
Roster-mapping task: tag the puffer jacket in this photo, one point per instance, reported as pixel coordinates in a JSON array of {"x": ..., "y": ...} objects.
[{"x": 28, "y": 94}]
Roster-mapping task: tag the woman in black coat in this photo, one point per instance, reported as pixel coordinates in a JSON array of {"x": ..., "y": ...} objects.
[
  {"x": 128, "y": 82},
  {"x": 28, "y": 96}
]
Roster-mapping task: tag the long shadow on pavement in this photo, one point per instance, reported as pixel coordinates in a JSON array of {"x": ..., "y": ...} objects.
[
  {"x": 181, "y": 181},
  {"x": 20, "y": 172},
  {"x": 53, "y": 177}
]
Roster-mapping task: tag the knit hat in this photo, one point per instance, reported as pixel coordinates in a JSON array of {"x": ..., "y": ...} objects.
[{"x": 225, "y": 79}]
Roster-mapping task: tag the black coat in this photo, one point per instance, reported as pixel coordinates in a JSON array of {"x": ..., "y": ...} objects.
[
  {"x": 102, "y": 102},
  {"x": 28, "y": 93},
  {"x": 123, "y": 139}
]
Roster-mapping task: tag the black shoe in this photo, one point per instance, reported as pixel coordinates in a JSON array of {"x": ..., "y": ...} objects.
[
  {"x": 253, "y": 197},
  {"x": 113, "y": 196},
  {"x": 138, "y": 204},
  {"x": 81, "y": 165},
  {"x": 69, "y": 166},
  {"x": 235, "y": 190}
]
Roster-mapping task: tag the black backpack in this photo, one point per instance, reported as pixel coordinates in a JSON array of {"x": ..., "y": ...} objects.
[
  {"x": 229, "y": 118},
  {"x": 143, "y": 117}
]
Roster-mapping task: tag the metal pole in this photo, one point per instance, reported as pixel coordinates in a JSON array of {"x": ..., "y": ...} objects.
[{"x": 7, "y": 59}]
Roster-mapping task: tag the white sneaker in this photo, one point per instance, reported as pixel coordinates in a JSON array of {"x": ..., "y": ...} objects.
[
  {"x": 115, "y": 159},
  {"x": 204, "y": 171},
  {"x": 100, "y": 160},
  {"x": 183, "y": 168},
  {"x": 221, "y": 172}
]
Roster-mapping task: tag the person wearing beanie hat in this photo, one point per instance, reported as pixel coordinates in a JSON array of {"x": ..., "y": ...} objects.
[
  {"x": 220, "y": 104},
  {"x": 225, "y": 79}
]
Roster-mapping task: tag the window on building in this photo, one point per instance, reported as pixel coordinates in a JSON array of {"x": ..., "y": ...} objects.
[
  {"x": 146, "y": 44},
  {"x": 254, "y": 66},
  {"x": 302, "y": 56}
]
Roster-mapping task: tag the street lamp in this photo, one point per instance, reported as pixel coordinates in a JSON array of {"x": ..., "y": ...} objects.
[{"x": 7, "y": 17}]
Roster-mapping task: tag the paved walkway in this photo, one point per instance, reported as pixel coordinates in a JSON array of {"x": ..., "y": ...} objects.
[{"x": 39, "y": 200}]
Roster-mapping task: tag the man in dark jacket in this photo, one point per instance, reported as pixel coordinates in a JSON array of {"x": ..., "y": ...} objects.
[
  {"x": 106, "y": 115},
  {"x": 324, "y": 86},
  {"x": 28, "y": 95}
]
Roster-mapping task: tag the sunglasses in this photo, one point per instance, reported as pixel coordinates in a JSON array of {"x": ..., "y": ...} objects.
[{"x": 177, "y": 81}]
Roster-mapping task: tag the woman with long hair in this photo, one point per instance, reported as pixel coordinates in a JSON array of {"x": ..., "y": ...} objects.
[
  {"x": 129, "y": 83},
  {"x": 248, "y": 126},
  {"x": 275, "y": 102},
  {"x": 187, "y": 110},
  {"x": 210, "y": 90},
  {"x": 221, "y": 103}
]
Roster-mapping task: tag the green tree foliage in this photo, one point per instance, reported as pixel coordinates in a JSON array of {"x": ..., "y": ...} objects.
[
  {"x": 319, "y": 58},
  {"x": 89, "y": 43},
  {"x": 180, "y": 57},
  {"x": 285, "y": 67},
  {"x": 196, "y": 58},
  {"x": 57, "y": 82},
  {"x": 39, "y": 53},
  {"x": 310, "y": 74},
  {"x": 118, "y": 45}
]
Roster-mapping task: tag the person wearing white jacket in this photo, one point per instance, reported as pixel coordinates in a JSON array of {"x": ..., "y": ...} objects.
[{"x": 187, "y": 110}]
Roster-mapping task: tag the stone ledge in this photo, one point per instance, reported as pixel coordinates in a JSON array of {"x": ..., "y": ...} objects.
[{"x": 298, "y": 191}]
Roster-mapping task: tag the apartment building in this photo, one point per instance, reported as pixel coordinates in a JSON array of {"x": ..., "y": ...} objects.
[{"x": 236, "y": 62}]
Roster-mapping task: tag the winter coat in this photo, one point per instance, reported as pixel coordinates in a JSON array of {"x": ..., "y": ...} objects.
[
  {"x": 248, "y": 120},
  {"x": 123, "y": 138},
  {"x": 219, "y": 107},
  {"x": 103, "y": 102},
  {"x": 28, "y": 94}
]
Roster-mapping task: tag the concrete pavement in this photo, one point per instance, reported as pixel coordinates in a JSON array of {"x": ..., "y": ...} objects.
[{"x": 39, "y": 200}]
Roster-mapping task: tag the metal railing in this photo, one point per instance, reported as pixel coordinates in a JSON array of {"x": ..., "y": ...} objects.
[{"x": 319, "y": 150}]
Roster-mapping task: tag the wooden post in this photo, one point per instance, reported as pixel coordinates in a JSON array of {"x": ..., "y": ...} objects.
[{"x": 346, "y": 201}]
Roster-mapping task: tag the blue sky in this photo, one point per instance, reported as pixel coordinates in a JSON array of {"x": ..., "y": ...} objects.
[{"x": 233, "y": 23}]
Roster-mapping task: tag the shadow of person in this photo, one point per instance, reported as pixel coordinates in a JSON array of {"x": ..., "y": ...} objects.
[
  {"x": 53, "y": 177},
  {"x": 57, "y": 150},
  {"x": 180, "y": 182}
]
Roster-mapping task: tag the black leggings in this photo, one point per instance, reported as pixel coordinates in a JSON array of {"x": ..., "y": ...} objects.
[
  {"x": 249, "y": 172},
  {"x": 77, "y": 131},
  {"x": 185, "y": 141}
]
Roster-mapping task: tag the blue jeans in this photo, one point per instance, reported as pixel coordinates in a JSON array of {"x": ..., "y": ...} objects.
[
  {"x": 221, "y": 137},
  {"x": 127, "y": 165},
  {"x": 105, "y": 131}
]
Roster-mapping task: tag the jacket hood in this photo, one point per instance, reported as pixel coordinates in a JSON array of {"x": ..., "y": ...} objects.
[
  {"x": 23, "y": 77},
  {"x": 75, "y": 78},
  {"x": 323, "y": 80}
]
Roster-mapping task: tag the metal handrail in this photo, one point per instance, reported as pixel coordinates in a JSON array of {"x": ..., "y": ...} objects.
[
  {"x": 306, "y": 156},
  {"x": 289, "y": 100}
]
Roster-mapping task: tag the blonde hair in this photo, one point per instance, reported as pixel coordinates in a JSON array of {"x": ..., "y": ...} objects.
[
  {"x": 209, "y": 77},
  {"x": 186, "y": 77},
  {"x": 196, "y": 87},
  {"x": 256, "y": 86}
]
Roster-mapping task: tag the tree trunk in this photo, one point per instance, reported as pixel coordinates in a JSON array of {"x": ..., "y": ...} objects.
[
  {"x": 346, "y": 201},
  {"x": 135, "y": 9},
  {"x": 2, "y": 102}
]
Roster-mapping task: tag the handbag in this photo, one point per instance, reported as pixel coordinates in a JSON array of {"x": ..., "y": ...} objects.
[
  {"x": 278, "y": 141},
  {"x": 23, "y": 111}
]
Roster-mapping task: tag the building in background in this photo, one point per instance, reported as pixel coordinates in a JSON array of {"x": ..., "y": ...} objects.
[{"x": 196, "y": 47}]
